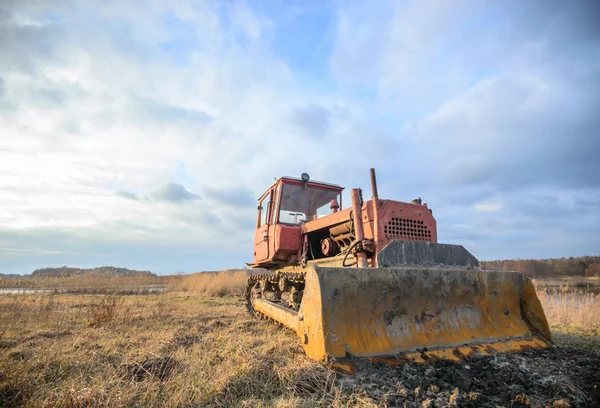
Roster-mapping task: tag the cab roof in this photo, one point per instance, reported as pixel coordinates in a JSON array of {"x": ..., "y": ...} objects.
[
  {"x": 315, "y": 183},
  {"x": 298, "y": 181}
]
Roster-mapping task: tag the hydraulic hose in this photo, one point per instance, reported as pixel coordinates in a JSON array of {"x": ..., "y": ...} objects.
[{"x": 348, "y": 252}]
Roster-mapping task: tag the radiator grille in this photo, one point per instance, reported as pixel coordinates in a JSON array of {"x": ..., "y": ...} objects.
[{"x": 407, "y": 229}]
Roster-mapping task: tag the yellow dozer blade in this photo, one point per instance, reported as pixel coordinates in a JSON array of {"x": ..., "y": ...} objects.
[{"x": 414, "y": 312}]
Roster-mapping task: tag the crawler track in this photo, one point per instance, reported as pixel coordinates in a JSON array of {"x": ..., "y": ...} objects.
[{"x": 282, "y": 287}]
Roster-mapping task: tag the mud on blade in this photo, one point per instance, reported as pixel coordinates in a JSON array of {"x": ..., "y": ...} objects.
[{"x": 395, "y": 310}]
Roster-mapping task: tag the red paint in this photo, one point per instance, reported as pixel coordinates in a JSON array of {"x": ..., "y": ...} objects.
[{"x": 279, "y": 243}]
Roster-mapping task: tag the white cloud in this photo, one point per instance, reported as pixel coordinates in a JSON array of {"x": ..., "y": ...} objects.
[
  {"x": 488, "y": 207},
  {"x": 104, "y": 106},
  {"x": 106, "y": 103},
  {"x": 488, "y": 102}
]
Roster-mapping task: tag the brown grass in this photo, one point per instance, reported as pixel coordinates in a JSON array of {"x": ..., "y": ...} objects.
[
  {"x": 224, "y": 283},
  {"x": 155, "y": 350},
  {"x": 187, "y": 347},
  {"x": 571, "y": 308},
  {"x": 91, "y": 284}
]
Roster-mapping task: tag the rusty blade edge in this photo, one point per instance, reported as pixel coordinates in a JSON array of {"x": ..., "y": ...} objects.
[{"x": 456, "y": 354}]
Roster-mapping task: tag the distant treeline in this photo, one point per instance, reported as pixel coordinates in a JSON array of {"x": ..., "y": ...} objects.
[
  {"x": 67, "y": 272},
  {"x": 580, "y": 266}
]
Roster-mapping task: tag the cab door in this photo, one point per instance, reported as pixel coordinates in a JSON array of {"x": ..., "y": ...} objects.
[{"x": 261, "y": 238}]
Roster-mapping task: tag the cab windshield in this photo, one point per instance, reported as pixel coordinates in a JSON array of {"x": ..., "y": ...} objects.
[{"x": 300, "y": 203}]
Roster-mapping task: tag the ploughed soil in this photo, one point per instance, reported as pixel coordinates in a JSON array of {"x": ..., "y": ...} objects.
[{"x": 556, "y": 377}]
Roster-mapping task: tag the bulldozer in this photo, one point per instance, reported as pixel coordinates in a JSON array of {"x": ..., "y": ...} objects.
[{"x": 371, "y": 280}]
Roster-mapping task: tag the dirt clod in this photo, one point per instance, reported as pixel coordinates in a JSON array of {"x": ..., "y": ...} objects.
[{"x": 557, "y": 377}]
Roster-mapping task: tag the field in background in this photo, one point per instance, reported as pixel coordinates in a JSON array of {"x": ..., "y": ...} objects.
[
  {"x": 93, "y": 284},
  {"x": 565, "y": 307},
  {"x": 193, "y": 344},
  {"x": 580, "y": 284},
  {"x": 224, "y": 283}
]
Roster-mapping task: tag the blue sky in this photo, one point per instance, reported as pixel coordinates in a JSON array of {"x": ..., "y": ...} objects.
[{"x": 141, "y": 136}]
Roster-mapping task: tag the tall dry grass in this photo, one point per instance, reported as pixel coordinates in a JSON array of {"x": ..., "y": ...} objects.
[
  {"x": 225, "y": 283},
  {"x": 571, "y": 308},
  {"x": 90, "y": 283},
  {"x": 166, "y": 350},
  {"x": 177, "y": 350}
]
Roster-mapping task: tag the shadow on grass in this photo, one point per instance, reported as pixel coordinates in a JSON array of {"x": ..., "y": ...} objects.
[
  {"x": 159, "y": 368},
  {"x": 11, "y": 396},
  {"x": 312, "y": 384},
  {"x": 576, "y": 338}
]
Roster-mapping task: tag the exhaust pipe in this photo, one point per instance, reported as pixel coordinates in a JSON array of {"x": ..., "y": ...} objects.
[
  {"x": 375, "y": 206},
  {"x": 374, "y": 184},
  {"x": 359, "y": 233}
]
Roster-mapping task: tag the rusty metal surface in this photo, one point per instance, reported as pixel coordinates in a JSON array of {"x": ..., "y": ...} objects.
[
  {"x": 286, "y": 240},
  {"x": 311, "y": 183},
  {"x": 408, "y": 312},
  {"x": 382, "y": 221},
  {"x": 375, "y": 207},
  {"x": 459, "y": 353},
  {"x": 425, "y": 253},
  {"x": 285, "y": 316},
  {"x": 339, "y": 217},
  {"x": 358, "y": 227},
  {"x": 372, "y": 312},
  {"x": 404, "y": 221},
  {"x": 274, "y": 244},
  {"x": 373, "y": 183}
]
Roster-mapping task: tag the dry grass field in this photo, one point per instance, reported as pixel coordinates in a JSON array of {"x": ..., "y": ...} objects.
[
  {"x": 92, "y": 284},
  {"x": 571, "y": 308},
  {"x": 225, "y": 283},
  {"x": 195, "y": 345},
  {"x": 152, "y": 350}
]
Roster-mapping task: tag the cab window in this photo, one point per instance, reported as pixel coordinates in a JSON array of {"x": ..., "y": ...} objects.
[
  {"x": 275, "y": 205},
  {"x": 301, "y": 203},
  {"x": 263, "y": 207}
]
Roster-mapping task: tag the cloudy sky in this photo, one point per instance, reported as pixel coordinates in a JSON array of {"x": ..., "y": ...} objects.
[{"x": 140, "y": 134}]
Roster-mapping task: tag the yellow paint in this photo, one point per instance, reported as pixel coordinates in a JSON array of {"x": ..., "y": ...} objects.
[
  {"x": 458, "y": 354},
  {"x": 279, "y": 313},
  {"x": 391, "y": 311},
  {"x": 346, "y": 367}
]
